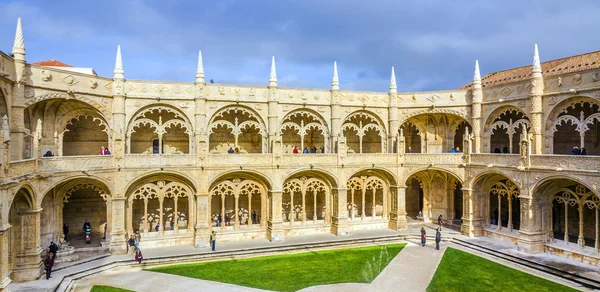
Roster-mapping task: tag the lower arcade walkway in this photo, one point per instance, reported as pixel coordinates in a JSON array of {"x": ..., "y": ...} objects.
[{"x": 412, "y": 269}]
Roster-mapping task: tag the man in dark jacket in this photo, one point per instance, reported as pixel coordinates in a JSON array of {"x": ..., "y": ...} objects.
[
  {"x": 66, "y": 230},
  {"x": 48, "y": 263},
  {"x": 438, "y": 238},
  {"x": 131, "y": 245},
  {"x": 53, "y": 249}
]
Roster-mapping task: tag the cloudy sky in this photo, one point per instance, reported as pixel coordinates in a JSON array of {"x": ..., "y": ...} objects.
[{"x": 432, "y": 43}]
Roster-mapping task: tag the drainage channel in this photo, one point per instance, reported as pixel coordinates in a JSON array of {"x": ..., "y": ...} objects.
[{"x": 585, "y": 282}]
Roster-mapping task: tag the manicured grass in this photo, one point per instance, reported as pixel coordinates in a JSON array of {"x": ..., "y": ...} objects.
[
  {"x": 290, "y": 272},
  {"x": 101, "y": 288},
  {"x": 461, "y": 271}
]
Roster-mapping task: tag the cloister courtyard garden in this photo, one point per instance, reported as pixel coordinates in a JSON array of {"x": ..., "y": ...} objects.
[{"x": 367, "y": 268}]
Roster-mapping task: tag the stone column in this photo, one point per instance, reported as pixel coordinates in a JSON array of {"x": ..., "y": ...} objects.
[
  {"x": 336, "y": 119},
  {"x": 236, "y": 222},
  {"x": 472, "y": 221},
  {"x": 499, "y": 212},
  {"x": 531, "y": 234},
  {"x": 398, "y": 212},
  {"x": 118, "y": 109},
  {"x": 275, "y": 222},
  {"x": 315, "y": 207},
  {"x": 249, "y": 211},
  {"x": 510, "y": 227},
  {"x": 363, "y": 191},
  {"x": 17, "y": 106},
  {"x": 17, "y": 122},
  {"x": 477, "y": 92},
  {"x": 108, "y": 218},
  {"x": 176, "y": 216},
  {"x": 580, "y": 239},
  {"x": 536, "y": 114},
  {"x": 147, "y": 226},
  {"x": 129, "y": 212},
  {"x": 263, "y": 211},
  {"x": 117, "y": 235},
  {"x": 273, "y": 104},
  {"x": 339, "y": 218},
  {"x": 303, "y": 207},
  {"x": 28, "y": 265},
  {"x": 161, "y": 226},
  {"x": 119, "y": 126},
  {"x": 203, "y": 224},
  {"x": 4, "y": 272}
]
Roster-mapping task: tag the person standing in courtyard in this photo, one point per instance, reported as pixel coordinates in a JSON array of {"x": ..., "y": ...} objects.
[
  {"x": 53, "y": 248},
  {"x": 130, "y": 245},
  {"x": 87, "y": 231},
  {"x": 253, "y": 217},
  {"x": 65, "y": 230},
  {"x": 438, "y": 238},
  {"x": 48, "y": 263},
  {"x": 423, "y": 236},
  {"x": 137, "y": 238},
  {"x": 440, "y": 221},
  {"x": 213, "y": 240}
]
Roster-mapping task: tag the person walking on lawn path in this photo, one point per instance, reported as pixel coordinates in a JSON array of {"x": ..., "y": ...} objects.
[
  {"x": 438, "y": 238},
  {"x": 423, "y": 236}
]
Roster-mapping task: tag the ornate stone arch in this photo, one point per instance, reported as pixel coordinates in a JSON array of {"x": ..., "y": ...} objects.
[
  {"x": 559, "y": 116},
  {"x": 308, "y": 121},
  {"x": 81, "y": 98},
  {"x": 363, "y": 121},
  {"x": 440, "y": 129},
  {"x": 174, "y": 118},
  {"x": 30, "y": 195},
  {"x": 69, "y": 118},
  {"x": 510, "y": 118},
  {"x": 415, "y": 171},
  {"x": 164, "y": 175},
  {"x": 162, "y": 190},
  {"x": 362, "y": 184},
  {"x": 304, "y": 187},
  {"x": 236, "y": 119},
  {"x": 240, "y": 189},
  {"x": 459, "y": 113}
]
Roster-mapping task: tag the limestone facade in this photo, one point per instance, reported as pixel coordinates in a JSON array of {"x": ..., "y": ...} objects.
[{"x": 381, "y": 157}]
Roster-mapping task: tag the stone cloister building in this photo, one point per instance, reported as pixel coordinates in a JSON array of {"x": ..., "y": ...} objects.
[{"x": 382, "y": 157}]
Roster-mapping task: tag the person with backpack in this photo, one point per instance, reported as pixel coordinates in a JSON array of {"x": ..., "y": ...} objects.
[{"x": 130, "y": 245}]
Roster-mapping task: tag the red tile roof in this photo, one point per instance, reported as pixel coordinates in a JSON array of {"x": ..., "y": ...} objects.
[
  {"x": 52, "y": 63},
  {"x": 550, "y": 68}
]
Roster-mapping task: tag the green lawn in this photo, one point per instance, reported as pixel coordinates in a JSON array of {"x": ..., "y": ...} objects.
[
  {"x": 461, "y": 271},
  {"x": 101, "y": 288},
  {"x": 293, "y": 271}
]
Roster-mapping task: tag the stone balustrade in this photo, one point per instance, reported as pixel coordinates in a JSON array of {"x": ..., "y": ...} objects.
[
  {"x": 566, "y": 162},
  {"x": 154, "y": 160},
  {"x": 76, "y": 163},
  {"x": 436, "y": 158},
  {"x": 21, "y": 167},
  {"x": 496, "y": 159},
  {"x": 141, "y": 161}
]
